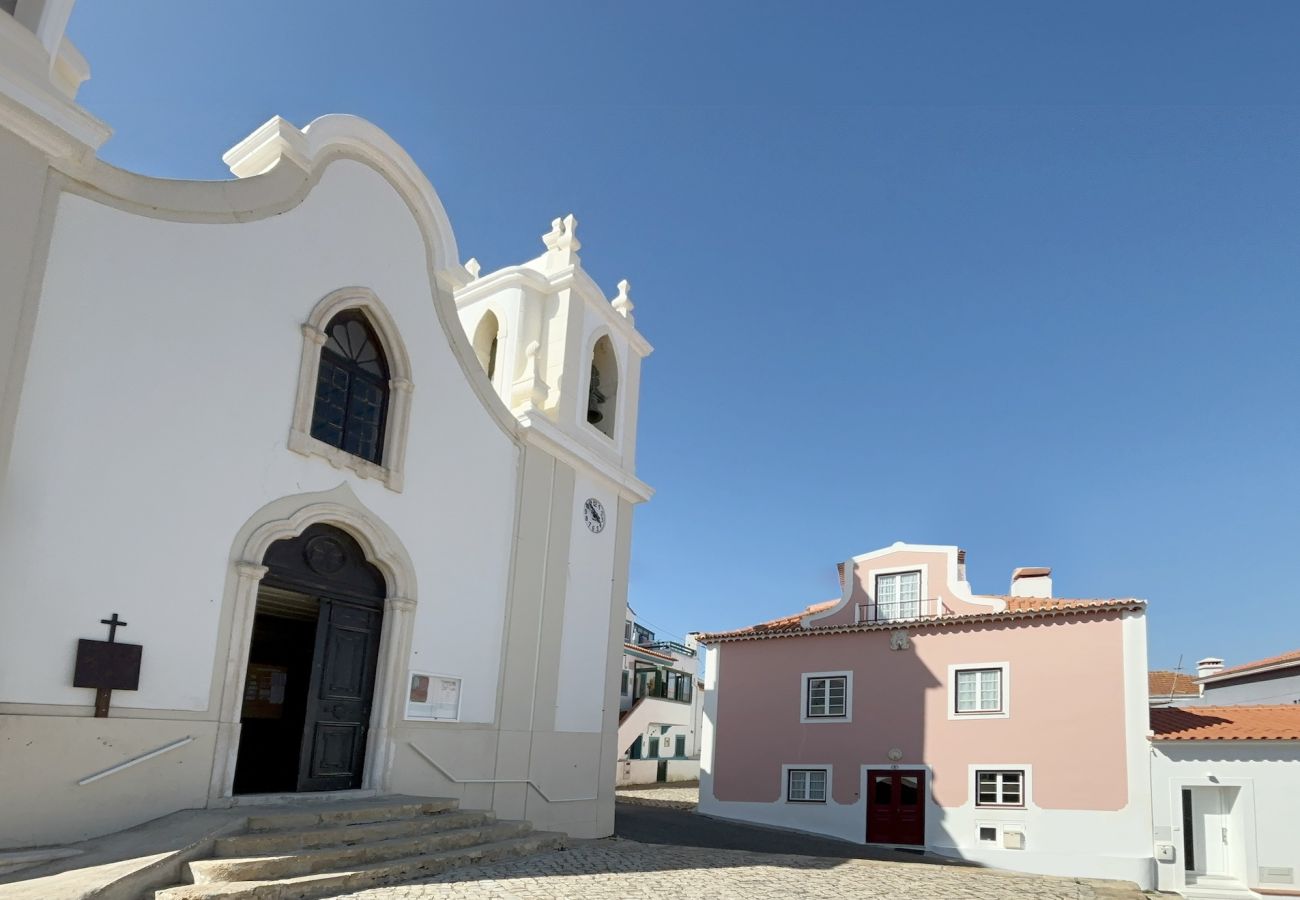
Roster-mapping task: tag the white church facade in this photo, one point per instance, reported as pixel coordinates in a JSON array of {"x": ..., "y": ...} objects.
[{"x": 364, "y": 510}]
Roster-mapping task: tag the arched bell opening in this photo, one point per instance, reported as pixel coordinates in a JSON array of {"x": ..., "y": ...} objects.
[
  {"x": 486, "y": 340},
  {"x": 602, "y": 389}
]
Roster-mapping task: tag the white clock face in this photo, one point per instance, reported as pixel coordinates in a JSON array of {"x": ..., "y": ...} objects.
[{"x": 594, "y": 514}]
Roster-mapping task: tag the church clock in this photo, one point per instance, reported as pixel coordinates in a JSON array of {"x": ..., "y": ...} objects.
[{"x": 594, "y": 513}]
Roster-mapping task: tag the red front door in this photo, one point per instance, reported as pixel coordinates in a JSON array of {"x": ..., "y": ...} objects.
[{"x": 895, "y": 807}]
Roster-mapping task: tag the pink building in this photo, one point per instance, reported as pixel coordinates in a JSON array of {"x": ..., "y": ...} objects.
[{"x": 1007, "y": 729}]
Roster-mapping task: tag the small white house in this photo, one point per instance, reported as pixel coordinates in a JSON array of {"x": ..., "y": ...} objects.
[
  {"x": 1225, "y": 783},
  {"x": 660, "y": 708}
]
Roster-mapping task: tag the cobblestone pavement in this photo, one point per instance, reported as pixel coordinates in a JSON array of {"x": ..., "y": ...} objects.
[
  {"x": 685, "y": 794},
  {"x": 614, "y": 869}
]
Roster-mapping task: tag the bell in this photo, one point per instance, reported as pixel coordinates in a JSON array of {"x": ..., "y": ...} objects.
[{"x": 594, "y": 415}]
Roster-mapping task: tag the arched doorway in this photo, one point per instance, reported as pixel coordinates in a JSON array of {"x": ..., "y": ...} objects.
[{"x": 310, "y": 682}]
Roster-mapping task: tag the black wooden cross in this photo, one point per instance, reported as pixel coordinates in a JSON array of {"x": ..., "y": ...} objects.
[
  {"x": 112, "y": 624},
  {"x": 104, "y": 695}
]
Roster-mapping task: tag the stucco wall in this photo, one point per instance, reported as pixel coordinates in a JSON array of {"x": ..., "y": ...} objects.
[
  {"x": 580, "y": 692},
  {"x": 900, "y": 701},
  {"x": 133, "y": 469}
]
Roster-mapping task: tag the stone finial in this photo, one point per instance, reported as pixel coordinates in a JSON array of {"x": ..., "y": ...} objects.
[
  {"x": 623, "y": 303},
  {"x": 473, "y": 268},
  {"x": 563, "y": 235}
]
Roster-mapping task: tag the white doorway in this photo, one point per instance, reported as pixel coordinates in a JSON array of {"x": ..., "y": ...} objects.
[{"x": 1212, "y": 837}]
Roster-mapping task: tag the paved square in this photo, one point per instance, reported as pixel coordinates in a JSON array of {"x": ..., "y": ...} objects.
[{"x": 615, "y": 869}]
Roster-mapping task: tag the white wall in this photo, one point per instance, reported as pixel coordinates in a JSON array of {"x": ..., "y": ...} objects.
[
  {"x": 1266, "y": 811},
  {"x": 580, "y": 692},
  {"x": 153, "y": 423}
]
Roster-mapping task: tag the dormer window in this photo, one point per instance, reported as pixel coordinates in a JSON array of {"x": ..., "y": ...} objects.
[
  {"x": 898, "y": 596},
  {"x": 602, "y": 387}
]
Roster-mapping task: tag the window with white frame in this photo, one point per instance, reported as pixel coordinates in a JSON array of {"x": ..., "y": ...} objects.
[
  {"x": 1000, "y": 788},
  {"x": 898, "y": 596},
  {"x": 979, "y": 691},
  {"x": 827, "y": 697},
  {"x": 806, "y": 786}
]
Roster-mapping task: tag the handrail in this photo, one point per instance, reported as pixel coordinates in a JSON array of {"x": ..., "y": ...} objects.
[
  {"x": 528, "y": 781},
  {"x": 137, "y": 760}
]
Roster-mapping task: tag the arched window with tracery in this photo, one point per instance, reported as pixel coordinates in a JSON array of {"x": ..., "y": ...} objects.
[
  {"x": 602, "y": 388},
  {"x": 352, "y": 385}
]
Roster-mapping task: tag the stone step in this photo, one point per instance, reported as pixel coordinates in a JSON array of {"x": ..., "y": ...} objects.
[
  {"x": 268, "y": 842},
  {"x": 334, "y": 859},
  {"x": 352, "y": 814},
  {"x": 328, "y": 884}
]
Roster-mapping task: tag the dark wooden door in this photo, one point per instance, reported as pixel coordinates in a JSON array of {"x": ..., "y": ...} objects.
[
  {"x": 340, "y": 697},
  {"x": 895, "y": 807}
]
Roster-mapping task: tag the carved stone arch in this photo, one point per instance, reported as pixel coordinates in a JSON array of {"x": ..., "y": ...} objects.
[
  {"x": 288, "y": 518},
  {"x": 397, "y": 422},
  {"x": 601, "y": 354}
]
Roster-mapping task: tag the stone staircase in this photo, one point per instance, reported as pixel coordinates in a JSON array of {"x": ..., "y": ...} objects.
[{"x": 304, "y": 852}]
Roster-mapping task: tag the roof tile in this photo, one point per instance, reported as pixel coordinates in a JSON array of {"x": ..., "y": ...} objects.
[
  {"x": 1226, "y": 723},
  {"x": 1164, "y": 683},
  {"x": 1017, "y": 608}
]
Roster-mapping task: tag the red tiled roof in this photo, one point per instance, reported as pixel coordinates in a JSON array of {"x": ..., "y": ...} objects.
[
  {"x": 1164, "y": 683},
  {"x": 648, "y": 652},
  {"x": 1281, "y": 659},
  {"x": 1017, "y": 608},
  {"x": 1038, "y": 604},
  {"x": 1226, "y": 723}
]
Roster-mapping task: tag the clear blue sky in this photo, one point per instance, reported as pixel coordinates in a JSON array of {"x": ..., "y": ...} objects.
[{"x": 1020, "y": 277}]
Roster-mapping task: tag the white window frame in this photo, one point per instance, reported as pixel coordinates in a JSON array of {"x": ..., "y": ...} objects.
[
  {"x": 923, "y": 568},
  {"x": 1000, "y": 772},
  {"x": 897, "y": 575},
  {"x": 1011, "y": 816},
  {"x": 390, "y": 470},
  {"x": 804, "y": 767},
  {"x": 1004, "y": 687},
  {"x": 804, "y": 680}
]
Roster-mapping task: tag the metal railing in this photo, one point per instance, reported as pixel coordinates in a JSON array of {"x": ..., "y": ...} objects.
[{"x": 900, "y": 611}]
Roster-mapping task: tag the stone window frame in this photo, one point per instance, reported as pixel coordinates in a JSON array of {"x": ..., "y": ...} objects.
[{"x": 391, "y": 470}]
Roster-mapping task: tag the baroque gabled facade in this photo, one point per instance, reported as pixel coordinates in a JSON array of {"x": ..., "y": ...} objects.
[{"x": 365, "y": 510}]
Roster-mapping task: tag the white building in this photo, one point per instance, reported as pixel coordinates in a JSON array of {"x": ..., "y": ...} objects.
[
  {"x": 661, "y": 708},
  {"x": 1225, "y": 783},
  {"x": 366, "y": 510}
]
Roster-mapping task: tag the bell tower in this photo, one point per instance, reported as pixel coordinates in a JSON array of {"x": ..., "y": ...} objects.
[
  {"x": 556, "y": 349},
  {"x": 566, "y": 361}
]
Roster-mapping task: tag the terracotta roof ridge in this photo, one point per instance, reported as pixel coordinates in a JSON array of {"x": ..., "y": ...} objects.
[
  {"x": 791, "y": 627},
  {"x": 1279, "y": 659}
]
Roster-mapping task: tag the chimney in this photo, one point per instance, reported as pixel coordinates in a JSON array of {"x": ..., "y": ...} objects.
[
  {"x": 840, "y": 567},
  {"x": 1211, "y": 665},
  {"x": 961, "y": 564},
  {"x": 1031, "y": 581}
]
